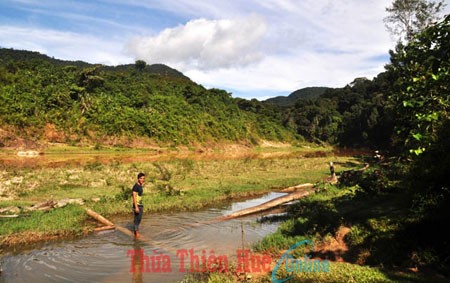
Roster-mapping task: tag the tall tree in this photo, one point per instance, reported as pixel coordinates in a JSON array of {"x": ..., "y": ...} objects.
[
  {"x": 140, "y": 65},
  {"x": 422, "y": 93},
  {"x": 408, "y": 17}
]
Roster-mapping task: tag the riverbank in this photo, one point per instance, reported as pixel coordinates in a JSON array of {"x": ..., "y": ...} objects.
[
  {"x": 177, "y": 180},
  {"x": 358, "y": 231}
]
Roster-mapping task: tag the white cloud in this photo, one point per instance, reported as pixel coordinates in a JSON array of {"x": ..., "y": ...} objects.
[
  {"x": 290, "y": 45},
  {"x": 204, "y": 44}
]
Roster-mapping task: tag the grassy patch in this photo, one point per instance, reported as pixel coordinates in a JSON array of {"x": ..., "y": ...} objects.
[
  {"x": 172, "y": 184},
  {"x": 67, "y": 218},
  {"x": 337, "y": 272},
  {"x": 347, "y": 272}
]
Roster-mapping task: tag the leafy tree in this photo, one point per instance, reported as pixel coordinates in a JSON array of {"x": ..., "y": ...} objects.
[
  {"x": 421, "y": 103},
  {"x": 140, "y": 65},
  {"x": 367, "y": 119},
  {"x": 315, "y": 119},
  {"x": 422, "y": 91},
  {"x": 408, "y": 17}
]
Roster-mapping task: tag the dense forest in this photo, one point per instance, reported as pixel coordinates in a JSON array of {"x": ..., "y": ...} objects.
[
  {"x": 99, "y": 104},
  {"x": 47, "y": 99},
  {"x": 304, "y": 93},
  {"x": 357, "y": 115}
]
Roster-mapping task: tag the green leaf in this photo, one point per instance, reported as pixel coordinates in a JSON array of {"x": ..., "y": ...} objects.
[
  {"x": 433, "y": 117},
  {"x": 417, "y": 151},
  {"x": 407, "y": 103},
  {"x": 417, "y": 136}
]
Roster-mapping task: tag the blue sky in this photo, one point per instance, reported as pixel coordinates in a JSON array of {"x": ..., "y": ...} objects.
[{"x": 251, "y": 48}]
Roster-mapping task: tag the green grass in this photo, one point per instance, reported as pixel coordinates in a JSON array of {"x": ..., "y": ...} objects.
[
  {"x": 313, "y": 217},
  {"x": 174, "y": 184},
  {"x": 19, "y": 203},
  {"x": 338, "y": 272},
  {"x": 63, "y": 219},
  {"x": 347, "y": 272}
]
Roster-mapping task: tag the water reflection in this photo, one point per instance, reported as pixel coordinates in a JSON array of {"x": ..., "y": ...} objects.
[{"x": 136, "y": 265}]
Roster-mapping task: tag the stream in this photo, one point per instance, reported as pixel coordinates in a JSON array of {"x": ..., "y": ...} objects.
[{"x": 174, "y": 243}]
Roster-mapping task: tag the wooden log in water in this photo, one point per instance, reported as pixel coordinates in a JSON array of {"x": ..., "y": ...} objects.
[
  {"x": 99, "y": 218},
  {"x": 267, "y": 205},
  {"x": 125, "y": 231},
  {"x": 104, "y": 228},
  {"x": 108, "y": 223}
]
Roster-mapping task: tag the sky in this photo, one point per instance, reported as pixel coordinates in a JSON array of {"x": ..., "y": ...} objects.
[{"x": 250, "y": 48}]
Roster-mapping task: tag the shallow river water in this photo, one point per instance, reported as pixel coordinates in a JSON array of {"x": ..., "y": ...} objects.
[{"x": 174, "y": 240}]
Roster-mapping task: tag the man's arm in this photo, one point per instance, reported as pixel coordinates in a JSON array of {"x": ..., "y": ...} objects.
[{"x": 135, "y": 204}]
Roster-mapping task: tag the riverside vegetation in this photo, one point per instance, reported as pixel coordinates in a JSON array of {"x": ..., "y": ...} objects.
[
  {"x": 363, "y": 227},
  {"x": 173, "y": 184}
]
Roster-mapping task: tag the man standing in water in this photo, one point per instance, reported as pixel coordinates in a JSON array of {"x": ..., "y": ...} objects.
[{"x": 138, "y": 207}]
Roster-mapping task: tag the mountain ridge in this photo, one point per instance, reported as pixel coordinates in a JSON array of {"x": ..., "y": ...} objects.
[
  {"x": 9, "y": 54},
  {"x": 303, "y": 93},
  {"x": 47, "y": 99}
]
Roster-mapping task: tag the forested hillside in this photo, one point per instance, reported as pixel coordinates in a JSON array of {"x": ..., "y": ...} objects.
[
  {"x": 304, "y": 93},
  {"x": 356, "y": 115},
  {"x": 47, "y": 99}
]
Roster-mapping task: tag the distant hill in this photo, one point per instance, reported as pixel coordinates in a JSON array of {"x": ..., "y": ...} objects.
[
  {"x": 304, "y": 93},
  {"x": 43, "y": 100},
  {"x": 159, "y": 69},
  {"x": 7, "y": 55}
]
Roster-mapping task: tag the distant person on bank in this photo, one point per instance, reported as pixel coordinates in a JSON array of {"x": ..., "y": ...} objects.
[{"x": 138, "y": 207}]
